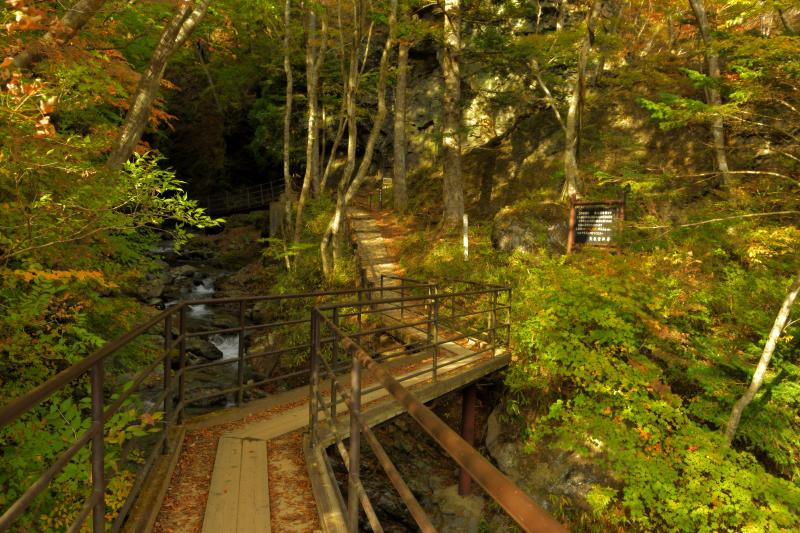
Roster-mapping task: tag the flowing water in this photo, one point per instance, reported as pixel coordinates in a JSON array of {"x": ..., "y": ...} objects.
[{"x": 201, "y": 291}]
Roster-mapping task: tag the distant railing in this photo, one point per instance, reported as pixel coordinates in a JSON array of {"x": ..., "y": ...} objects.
[
  {"x": 172, "y": 393},
  {"x": 354, "y": 338},
  {"x": 242, "y": 200}
]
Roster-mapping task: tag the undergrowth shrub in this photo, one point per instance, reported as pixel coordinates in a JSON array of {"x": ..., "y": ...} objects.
[{"x": 633, "y": 362}]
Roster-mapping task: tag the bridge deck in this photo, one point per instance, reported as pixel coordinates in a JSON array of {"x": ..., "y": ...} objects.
[
  {"x": 249, "y": 492},
  {"x": 225, "y": 496}
]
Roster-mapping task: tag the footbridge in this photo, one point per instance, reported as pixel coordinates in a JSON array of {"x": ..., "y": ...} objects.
[
  {"x": 242, "y": 199},
  {"x": 325, "y": 366}
]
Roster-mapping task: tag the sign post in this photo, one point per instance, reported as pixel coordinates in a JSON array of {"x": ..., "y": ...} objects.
[
  {"x": 595, "y": 223},
  {"x": 466, "y": 238}
]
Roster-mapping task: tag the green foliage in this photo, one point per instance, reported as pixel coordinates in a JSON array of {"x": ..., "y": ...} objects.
[
  {"x": 674, "y": 111},
  {"x": 633, "y": 361},
  {"x": 40, "y": 437}
]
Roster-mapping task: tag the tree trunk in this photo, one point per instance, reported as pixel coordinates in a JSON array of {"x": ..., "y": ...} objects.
[
  {"x": 337, "y": 140},
  {"x": 712, "y": 93},
  {"x": 346, "y": 192},
  {"x": 572, "y": 181},
  {"x": 787, "y": 25},
  {"x": 311, "y": 139},
  {"x": 452, "y": 186},
  {"x": 319, "y": 148},
  {"x": 201, "y": 58},
  {"x": 763, "y": 363},
  {"x": 174, "y": 35},
  {"x": 341, "y": 122},
  {"x": 73, "y": 20},
  {"x": 400, "y": 145},
  {"x": 287, "y": 120},
  {"x": 351, "y": 86},
  {"x": 601, "y": 61}
]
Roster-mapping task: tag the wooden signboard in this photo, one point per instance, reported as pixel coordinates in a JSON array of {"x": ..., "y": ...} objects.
[{"x": 595, "y": 223}]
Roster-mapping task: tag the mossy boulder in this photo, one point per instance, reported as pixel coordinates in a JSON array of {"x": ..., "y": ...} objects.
[{"x": 530, "y": 227}]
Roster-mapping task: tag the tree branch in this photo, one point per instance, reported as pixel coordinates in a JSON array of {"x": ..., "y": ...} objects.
[{"x": 722, "y": 219}]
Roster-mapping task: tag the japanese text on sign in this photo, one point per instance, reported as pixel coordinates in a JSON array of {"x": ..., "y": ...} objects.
[{"x": 594, "y": 224}]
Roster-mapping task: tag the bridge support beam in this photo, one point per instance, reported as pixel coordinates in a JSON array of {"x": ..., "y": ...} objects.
[{"x": 468, "y": 402}]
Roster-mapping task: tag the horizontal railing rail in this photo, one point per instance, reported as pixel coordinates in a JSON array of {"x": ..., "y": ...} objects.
[
  {"x": 356, "y": 344},
  {"x": 170, "y": 394},
  {"x": 243, "y": 199}
]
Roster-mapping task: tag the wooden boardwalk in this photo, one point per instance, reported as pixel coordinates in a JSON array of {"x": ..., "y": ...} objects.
[{"x": 238, "y": 495}]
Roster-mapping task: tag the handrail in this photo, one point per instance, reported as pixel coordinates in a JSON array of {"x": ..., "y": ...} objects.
[
  {"x": 244, "y": 198},
  {"x": 18, "y": 407},
  {"x": 173, "y": 399},
  {"x": 174, "y": 382},
  {"x": 522, "y": 508}
]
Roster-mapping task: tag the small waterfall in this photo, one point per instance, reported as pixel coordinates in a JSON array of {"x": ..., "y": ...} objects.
[
  {"x": 229, "y": 346},
  {"x": 199, "y": 292},
  {"x": 164, "y": 247}
]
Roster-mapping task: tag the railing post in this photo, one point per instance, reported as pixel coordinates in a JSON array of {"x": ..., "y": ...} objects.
[
  {"x": 360, "y": 309},
  {"x": 355, "y": 446},
  {"x": 429, "y": 322},
  {"x": 435, "y": 336},
  {"x": 493, "y": 322},
  {"x": 314, "y": 378},
  {"x": 508, "y": 320},
  {"x": 167, "y": 380},
  {"x": 402, "y": 299},
  {"x": 182, "y": 370},
  {"x": 261, "y": 192},
  {"x": 240, "y": 369},
  {"x": 468, "y": 400},
  {"x": 334, "y": 362},
  {"x": 98, "y": 473}
]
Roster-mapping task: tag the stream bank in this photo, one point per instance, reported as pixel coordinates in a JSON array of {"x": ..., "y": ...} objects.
[{"x": 215, "y": 265}]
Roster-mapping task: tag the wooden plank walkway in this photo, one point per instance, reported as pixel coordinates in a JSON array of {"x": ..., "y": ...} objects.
[
  {"x": 238, "y": 500},
  {"x": 238, "y": 497}
]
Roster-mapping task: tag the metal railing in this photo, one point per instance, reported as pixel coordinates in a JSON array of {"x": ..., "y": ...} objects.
[
  {"x": 355, "y": 341},
  {"x": 168, "y": 380},
  {"x": 243, "y": 200}
]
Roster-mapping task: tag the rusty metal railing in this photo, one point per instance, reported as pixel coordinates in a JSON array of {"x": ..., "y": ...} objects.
[
  {"x": 402, "y": 308},
  {"x": 243, "y": 199},
  {"x": 168, "y": 380}
]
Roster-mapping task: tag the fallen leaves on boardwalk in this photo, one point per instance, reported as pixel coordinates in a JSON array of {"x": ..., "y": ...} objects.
[
  {"x": 291, "y": 509},
  {"x": 185, "y": 502}
]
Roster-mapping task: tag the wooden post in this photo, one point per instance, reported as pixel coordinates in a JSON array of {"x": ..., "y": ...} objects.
[{"x": 571, "y": 234}]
